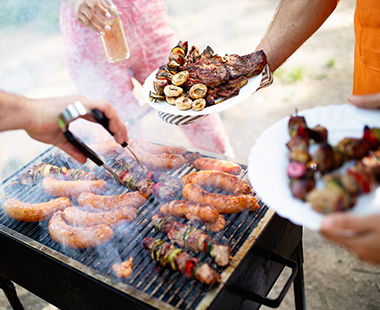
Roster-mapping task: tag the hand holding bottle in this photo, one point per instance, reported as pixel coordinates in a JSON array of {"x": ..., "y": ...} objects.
[{"x": 88, "y": 13}]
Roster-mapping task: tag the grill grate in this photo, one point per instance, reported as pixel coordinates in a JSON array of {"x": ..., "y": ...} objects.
[{"x": 147, "y": 277}]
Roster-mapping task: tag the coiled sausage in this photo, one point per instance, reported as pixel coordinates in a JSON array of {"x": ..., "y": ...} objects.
[
  {"x": 34, "y": 212},
  {"x": 78, "y": 238},
  {"x": 156, "y": 162},
  {"x": 205, "y": 163},
  {"x": 225, "y": 204},
  {"x": 209, "y": 180},
  {"x": 160, "y": 149},
  {"x": 72, "y": 189},
  {"x": 105, "y": 203},
  {"x": 182, "y": 208},
  {"x": 76, "y": 217}
]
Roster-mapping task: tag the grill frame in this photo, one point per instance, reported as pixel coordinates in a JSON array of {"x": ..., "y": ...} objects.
[{"x": 98, "y": 291}]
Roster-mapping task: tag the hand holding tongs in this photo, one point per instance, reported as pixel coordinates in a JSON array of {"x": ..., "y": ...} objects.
[{"x": 74, "y": 111}]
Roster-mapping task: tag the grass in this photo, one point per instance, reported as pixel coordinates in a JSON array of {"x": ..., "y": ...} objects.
[{"x": 291, "y": 76}]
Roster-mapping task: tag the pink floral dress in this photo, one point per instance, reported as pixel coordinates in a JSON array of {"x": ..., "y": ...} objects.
[{"x": 150, "y": 39}]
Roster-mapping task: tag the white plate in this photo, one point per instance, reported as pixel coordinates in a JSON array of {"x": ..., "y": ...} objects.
[
  {"x": 162, "y": 106},
  {"x": 268, "y": 161}
]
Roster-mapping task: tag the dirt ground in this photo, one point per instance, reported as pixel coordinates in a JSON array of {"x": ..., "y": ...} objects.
[{"x": 319, "y": 74}]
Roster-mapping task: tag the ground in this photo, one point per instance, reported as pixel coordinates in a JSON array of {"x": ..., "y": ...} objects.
[{"x": 318, "y": 74}]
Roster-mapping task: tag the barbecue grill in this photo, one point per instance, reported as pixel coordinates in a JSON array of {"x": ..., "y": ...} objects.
[{"x": 262, "y": 245}]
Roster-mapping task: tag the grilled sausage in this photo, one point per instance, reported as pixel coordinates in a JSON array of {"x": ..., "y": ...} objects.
[
  {"x": 209, "y": 179},
  {"x": 72, "y": 189},
  {"x": 76, "y": 217},
  {"x": 106, "y": 203},
  {"x": 108, "y": 148},
  {"x": 206, "y": 163},
  {"x": 225, "y": 204},
  {"x": 160, "y": 149},
  {"x": 181, "y": 208},
  {"x": 156, "y": 162},
  {"x": 78, "y": 238},
  {"x": 216, "y": 226},
  {"x": 34, "y": 212}
]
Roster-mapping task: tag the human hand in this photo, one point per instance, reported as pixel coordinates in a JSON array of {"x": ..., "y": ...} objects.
[
  {"x": 43, "y": 125},
  {"x": 86, "y": 14},
  {"x": 371, "y": 101},
  {"x": 360, "y": 235}
]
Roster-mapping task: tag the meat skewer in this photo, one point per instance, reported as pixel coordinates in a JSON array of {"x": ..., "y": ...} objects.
[
  {"x": 341, "y": 190},
  {"x": 302, "y": 165},
  {"x": 168, "y": 256},
  {"x": 192, "y": 238},
  {"x": 140, "y": 179},
  {"x": 43, "y": 170}
]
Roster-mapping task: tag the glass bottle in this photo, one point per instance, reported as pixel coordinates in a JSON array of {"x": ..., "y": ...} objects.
[{"x": 114, "y": 41}]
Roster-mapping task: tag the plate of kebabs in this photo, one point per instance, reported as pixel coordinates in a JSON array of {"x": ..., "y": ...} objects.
[
  {"x": 195, "y": 83},
  {"x": 322, "y": 160}
]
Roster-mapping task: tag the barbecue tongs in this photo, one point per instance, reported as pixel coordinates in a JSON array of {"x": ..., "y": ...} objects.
[{"x": 74, "y": 111}]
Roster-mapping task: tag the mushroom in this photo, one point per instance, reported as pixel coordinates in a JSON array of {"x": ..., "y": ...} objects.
[
  {"x": 153, "y": 96},
  {"x": 198, "y": 91},
  {"x": 179, "y": 78},
  {"x": 199, "y": 104},
  {"x": 171, "y": 100},
  {"x": 159, "y": 86},
  {"x": 173, "y": 91},
  {"x": 183, "y": 103}
]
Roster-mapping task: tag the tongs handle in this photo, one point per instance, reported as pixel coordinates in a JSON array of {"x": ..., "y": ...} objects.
[
  {"x": 104, "y": 121},
  {"x": 83, "y": 148}
]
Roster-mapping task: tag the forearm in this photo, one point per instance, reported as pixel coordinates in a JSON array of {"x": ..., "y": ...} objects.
[
  {"x": 14, "y": 111},
  {"x": 293, "y": 23}
]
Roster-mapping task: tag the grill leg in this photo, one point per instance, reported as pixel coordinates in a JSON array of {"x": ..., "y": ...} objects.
[
  {"x": 10, "y": 292},
  {"x": 298, "y": 284}
]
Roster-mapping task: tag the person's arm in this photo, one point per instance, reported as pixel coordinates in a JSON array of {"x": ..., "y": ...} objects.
[
  {"x": 371, "y": 101},
  {"x": 293, "y": 23},
  {"x": 38, "y": 117},
  {"x": 360, "y": 235}
]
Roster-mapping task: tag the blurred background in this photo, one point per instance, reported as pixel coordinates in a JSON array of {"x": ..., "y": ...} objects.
[{"x": 319, "y": 73}]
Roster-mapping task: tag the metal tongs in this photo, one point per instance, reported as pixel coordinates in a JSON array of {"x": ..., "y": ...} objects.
[{"x": 74, "y": 111}]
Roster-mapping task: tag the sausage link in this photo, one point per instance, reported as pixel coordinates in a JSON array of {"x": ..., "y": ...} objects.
[
  {"x": 34, "y": 212},
  {"x": 182, "y": 208},
  {"x": 205, "y": 163},
  {"x": 78, "y": 238},
  {"x": 209, "y": 180},
  {"x": 156, "y": 162},
  {"x": 106, "y": 203},
  {"x": 160, "y": 149},
  {"x": 76, "y": 217},
  {"x": 72, "y": 189},
  {"x": 225, "y": 204}
]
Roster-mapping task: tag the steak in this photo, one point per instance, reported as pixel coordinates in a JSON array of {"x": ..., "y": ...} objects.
[
  {"x": 209, "y": 69},
  {"x": 247, "y": 65}
]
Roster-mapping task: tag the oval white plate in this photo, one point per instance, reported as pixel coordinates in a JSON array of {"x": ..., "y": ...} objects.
[
  {"x": 162, "y": 106},
  {"x": 268, "y": 161}
]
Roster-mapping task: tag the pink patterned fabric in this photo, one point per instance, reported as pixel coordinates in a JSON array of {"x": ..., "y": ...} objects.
[{"x": 150, "y": 39}]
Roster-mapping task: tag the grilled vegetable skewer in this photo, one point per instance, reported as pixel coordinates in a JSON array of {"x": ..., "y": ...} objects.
[
  {"x": 341, "y": 190},
  {"x": 192, "y": 238},
  {"x": 140, "y": 179},
  {"x": 42, "y": 170},
  {"x": 168, "y": 256}
]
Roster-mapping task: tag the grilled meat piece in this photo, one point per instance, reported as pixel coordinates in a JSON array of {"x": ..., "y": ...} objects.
[
  {"x": 209, "y": 69},
  {"x": 247, "y": 65},
  {"x": 231, "y": 88},
  {"x": 193, "y": 56}
]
